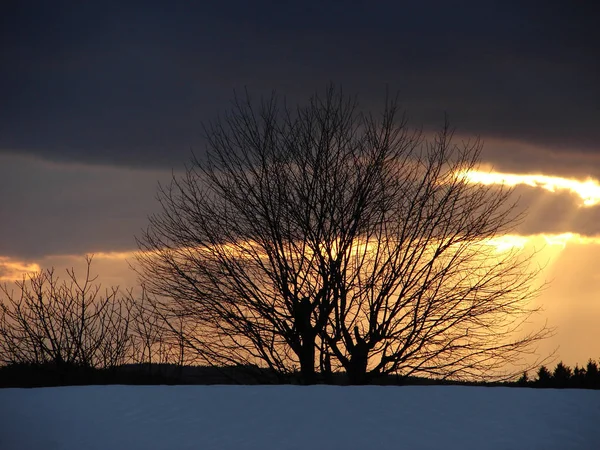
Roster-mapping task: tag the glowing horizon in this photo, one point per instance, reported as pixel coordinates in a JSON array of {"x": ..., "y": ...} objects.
[
  {"x": 565, "y": 257},
  {"x": 12, "y": 269}
]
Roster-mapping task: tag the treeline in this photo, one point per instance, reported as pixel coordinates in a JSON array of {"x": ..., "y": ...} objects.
[
  {"x": 49, "y": 374},
  {"x": 57, "y": 332},
  {"x": 586, "y": 377}
]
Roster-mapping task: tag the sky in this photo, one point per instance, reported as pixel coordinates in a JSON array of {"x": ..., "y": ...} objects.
[{"x": 102, "y": 100}]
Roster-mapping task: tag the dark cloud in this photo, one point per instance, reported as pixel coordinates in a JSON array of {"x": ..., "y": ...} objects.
[
  {"x": 129, "y": 82},
  {"x": 519, "y": 157},
  {"x": 50, "y": 208},
  {"x": 125, "y": 83},
  {"x": 65, "y": 209}
]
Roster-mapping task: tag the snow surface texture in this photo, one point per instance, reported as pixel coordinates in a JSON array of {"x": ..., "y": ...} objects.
[{"x": 296, "y": 417}]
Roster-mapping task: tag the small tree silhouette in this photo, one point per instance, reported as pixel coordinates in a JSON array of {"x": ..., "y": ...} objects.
[
  {"x": 544, "y": 377},
  {"x": 578, "y": 378},
  {"x": 592, "y": 377},
  {"x": 524, "y": 380},
  {"x": 562, "y": 375}
]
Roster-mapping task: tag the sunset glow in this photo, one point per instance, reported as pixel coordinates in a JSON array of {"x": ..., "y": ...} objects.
[
  {"x": 11, "y": 270},
  {"x": 587, "y": 190},
  {"x": 510, "y": 241}
]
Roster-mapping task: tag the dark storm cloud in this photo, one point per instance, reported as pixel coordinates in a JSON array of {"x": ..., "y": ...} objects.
[{"x": 127, "y": 83}]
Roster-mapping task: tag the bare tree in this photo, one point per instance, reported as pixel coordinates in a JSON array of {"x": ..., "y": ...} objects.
[
  {"x": 65, "y": 322},
  {"x": 325, "y": 236}
]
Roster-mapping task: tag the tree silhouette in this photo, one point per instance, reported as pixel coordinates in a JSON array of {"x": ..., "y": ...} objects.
[
  {"x": 544, "y": 377},
  {"x": 67, "y": 323},
  {"x": 578, "y": 378},
  {"x": 562, "y": 375},
  {"x": 592, "y": 375},
  {"x": 324, "y": 235},
  {"x": 524, "y": 380}
]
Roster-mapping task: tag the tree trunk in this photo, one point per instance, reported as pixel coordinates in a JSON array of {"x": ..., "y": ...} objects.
[
  {"x": 356, "y": 369},
  {"x": 302, "y": 311},
  {"x": 307, "y": 362},
  {"x": 325, "y": 365}
]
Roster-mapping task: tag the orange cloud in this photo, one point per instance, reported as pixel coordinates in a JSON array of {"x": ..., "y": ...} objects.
[{"x": 11, "y": 270}]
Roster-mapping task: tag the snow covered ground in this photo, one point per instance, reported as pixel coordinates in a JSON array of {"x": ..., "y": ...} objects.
[{"x": 296, "y": 417}]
